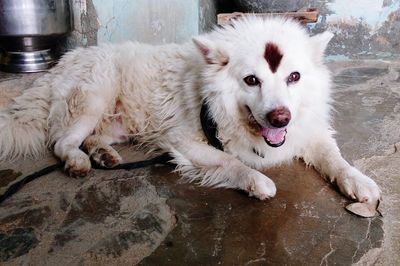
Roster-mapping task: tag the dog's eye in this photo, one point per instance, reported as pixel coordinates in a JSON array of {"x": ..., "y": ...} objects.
[
  {"x": 293, "y": 77},
  {"x": 251, "y": 80}
]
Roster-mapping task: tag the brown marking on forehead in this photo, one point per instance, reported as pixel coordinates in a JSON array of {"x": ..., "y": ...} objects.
[{"x": 273, "y": 56}]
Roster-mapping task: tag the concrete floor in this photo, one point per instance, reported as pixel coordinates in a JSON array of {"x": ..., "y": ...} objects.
[{"x": 148, "y": 216}]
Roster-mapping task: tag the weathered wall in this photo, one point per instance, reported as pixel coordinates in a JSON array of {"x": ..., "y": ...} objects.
[
  {"x": 85, "y": 24},
  {"x": 151, "y": 21},
  {"x": 207, "y": 15},
  {"x": 363, "y": 28}
]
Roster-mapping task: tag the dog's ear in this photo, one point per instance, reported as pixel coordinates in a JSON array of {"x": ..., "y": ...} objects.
[
  {"x": 210, "y": 52},
  {"x": 320, "y": 42}
]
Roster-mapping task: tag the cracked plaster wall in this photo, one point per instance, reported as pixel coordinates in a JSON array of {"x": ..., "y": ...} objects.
[
  {"x": 363, "y": 28},
  {"x": 151, "y": 21},
  {"x": 85, "y": 24}
]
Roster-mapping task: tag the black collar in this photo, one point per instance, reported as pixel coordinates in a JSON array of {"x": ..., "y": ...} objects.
[{"x": 210, "y": 127}]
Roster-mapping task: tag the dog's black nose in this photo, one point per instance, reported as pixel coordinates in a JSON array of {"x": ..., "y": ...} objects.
[{"x": 279, "y": 117}]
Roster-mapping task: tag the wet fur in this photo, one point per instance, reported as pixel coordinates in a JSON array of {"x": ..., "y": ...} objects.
[{"x": 110, "y": 94}]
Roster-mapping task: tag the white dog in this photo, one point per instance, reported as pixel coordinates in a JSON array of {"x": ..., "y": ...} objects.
[{"x": 260, "y": 85}]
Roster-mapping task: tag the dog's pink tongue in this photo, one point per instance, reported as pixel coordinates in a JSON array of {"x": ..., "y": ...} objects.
[{"x": 274, "y": 135}]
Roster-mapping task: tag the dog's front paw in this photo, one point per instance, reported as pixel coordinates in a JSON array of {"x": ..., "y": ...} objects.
[
  {"x": 77, "y": 164},
  {"x": 261, "y": 186},
  {"x": 358, "y": 186},
  {"x": 106, "y": 157}
]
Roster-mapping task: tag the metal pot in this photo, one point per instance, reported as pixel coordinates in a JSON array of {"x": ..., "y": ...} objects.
[{"x": 29, "y": 32}]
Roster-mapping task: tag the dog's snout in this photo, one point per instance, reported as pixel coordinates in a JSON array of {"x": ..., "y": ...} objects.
[{"x": 279, "y": 117}]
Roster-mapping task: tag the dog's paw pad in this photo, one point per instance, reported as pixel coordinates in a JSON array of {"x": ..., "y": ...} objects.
[
  {"x": 107, "y": 157},
  {"x": 108, "y": 160},
  {"x": 78, "y": 166},
  {"x": 77, "y": 170}
]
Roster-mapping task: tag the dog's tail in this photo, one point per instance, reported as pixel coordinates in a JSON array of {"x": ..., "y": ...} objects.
[{"x": 23, "y": 125}]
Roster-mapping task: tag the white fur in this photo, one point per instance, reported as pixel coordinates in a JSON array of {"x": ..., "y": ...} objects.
[{"x": 108, "y": 94}]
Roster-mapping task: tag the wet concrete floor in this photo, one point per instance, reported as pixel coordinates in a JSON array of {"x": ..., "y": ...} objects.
[{"x": 148, "y": 216}]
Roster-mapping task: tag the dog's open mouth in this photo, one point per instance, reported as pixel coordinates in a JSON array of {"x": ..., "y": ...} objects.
[{"x": 274, "y": 137}]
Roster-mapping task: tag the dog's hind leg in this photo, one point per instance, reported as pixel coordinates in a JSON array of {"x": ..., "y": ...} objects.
[
  {"x": 99, "y": 150},
  {"x": 212, "y": 167},
  {"x": 325, "y": 156},
  {"x": 86, "y": 110},
  {"x": 77, "y": 163}
]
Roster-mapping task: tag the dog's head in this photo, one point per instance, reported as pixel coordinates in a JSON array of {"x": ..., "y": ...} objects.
[{"x": 261, "y": 74}]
